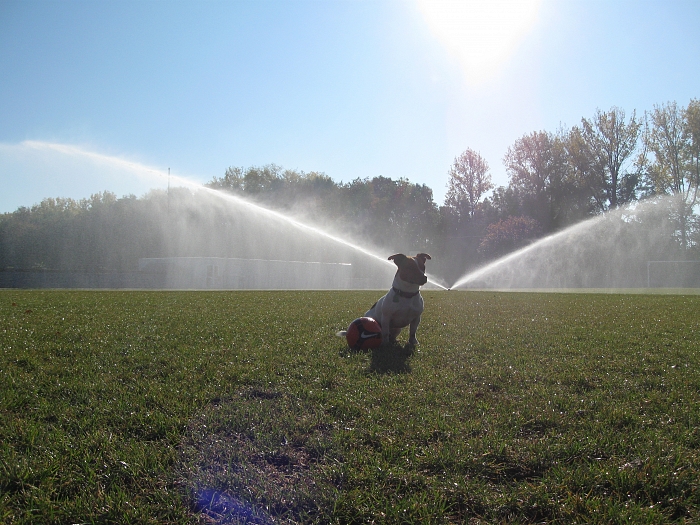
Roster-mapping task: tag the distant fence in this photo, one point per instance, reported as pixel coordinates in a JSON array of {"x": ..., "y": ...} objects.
[
  {"x": 196, "y": 273},
  {"x": 234, "y": 273},
  {"x": 673, "y": 274},
  {"x": 77, "y": 279}
]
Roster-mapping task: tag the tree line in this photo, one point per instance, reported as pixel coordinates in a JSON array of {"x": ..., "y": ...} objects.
[{"x": 555, "y": 179}]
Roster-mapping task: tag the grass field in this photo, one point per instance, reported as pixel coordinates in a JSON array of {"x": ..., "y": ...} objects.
[{"x": 235, "y": 407}]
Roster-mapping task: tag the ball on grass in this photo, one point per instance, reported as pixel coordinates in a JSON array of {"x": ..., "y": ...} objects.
[{"x": 364, "y": 333}]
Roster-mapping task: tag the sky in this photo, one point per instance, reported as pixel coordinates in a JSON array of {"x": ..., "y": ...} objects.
[{"x": 111, "y": 95}]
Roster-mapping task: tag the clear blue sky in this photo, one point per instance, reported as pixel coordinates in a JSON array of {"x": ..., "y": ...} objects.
[{"x": 92, "y": 90}]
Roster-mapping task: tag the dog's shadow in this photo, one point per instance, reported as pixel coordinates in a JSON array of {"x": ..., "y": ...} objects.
[{"x": 392, "y": 359}]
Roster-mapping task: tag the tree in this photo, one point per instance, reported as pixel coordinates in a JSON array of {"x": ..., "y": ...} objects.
[
  {"x": 584, "y": 188},
  {"x": 692, "y": 113},
  {"x": 469, "y": 181},
  {"x": 673, "y": 142},
  {"x": 509, "y": 234},
  {"x": 401, "y": 210},
  {"x": 610, "y": 142},
  {"x": 253, "y": 181},
  {"x": 505, "y": 201},
  {"x": 231, "y": 181},
  {"x": 692, "y": 116},
  {"x": 536, "y": 164}
]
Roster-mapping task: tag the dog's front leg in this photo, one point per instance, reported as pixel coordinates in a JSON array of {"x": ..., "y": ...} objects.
[
  {"x": 387, "y": 337},
  {"x": 387, "y": 313},
  {"x": 412, "y": 341}
]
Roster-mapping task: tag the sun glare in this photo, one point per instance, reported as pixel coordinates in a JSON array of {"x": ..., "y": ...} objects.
[{"x": 482, "y": 34}]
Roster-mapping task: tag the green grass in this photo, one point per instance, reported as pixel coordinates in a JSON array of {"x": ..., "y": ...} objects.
[{"x": 204, "y": 407}]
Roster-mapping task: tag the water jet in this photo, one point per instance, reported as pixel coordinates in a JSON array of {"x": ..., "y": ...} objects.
[
  {"x": 608, "y": 251},
  {"x": 261, "y": 236}
]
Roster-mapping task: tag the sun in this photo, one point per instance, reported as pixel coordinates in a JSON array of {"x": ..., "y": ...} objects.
[{"x": 482, "y": 34}]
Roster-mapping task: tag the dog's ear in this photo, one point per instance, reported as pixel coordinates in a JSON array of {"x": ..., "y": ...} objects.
[
  {"x": 398, "y": 258},
  {"x": 423, "y": 257}
]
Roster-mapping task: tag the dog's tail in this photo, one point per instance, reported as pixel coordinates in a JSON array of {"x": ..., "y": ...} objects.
[{"x": 342, "y": 333}]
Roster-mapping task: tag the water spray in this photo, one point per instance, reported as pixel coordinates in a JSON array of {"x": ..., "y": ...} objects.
[
  {"x": 503, "y": 261},
  {"x": 611, "y": 250},
  {"x": 298, "y": 224},
  {"x": 143, "y": 170}
]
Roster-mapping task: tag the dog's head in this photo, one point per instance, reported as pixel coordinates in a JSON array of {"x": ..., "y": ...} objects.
[{"x": 411, "y": 269}]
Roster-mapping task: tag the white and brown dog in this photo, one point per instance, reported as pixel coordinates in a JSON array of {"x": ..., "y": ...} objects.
[{"x": 402, "y": 305}]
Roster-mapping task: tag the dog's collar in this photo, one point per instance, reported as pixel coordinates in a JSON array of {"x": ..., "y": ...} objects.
[{"x": 401, "y": 293}]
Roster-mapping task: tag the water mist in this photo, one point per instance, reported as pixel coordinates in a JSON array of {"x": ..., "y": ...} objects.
[
  {"x": 609, "y": 251},
  {"x": 251, "y": 238}
]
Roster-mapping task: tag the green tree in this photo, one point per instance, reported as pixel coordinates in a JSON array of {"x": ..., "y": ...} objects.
[
  {"x": 469, "y": 181},
  {"x": 584, "y": 187},
  {"x": 231, "y": 181},
  {"x": 508, "y": 235},
  {"x": 252, "y": 181},
  {"x": 610, "y": 143},
  {"x": 536, "y": 165},
  {"x": 505, "y": 201},
  {"x": 672, "y": 142}
]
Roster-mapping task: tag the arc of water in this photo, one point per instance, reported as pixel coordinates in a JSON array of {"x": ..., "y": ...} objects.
[
  {"x": 480, "y": 272},
  {"x": 298, "y": 224},
  {"x": 141, "y": 169}
]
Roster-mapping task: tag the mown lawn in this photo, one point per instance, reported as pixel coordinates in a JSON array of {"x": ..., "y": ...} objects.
[{"x": 207, "y": 407}]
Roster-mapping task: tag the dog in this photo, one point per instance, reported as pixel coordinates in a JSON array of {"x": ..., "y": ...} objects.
[{"x": 403, "y": 304}]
